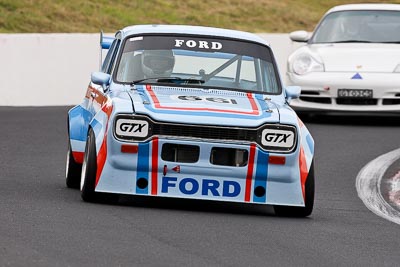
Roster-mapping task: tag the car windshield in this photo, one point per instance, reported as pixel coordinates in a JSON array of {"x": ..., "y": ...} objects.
[
  {"x": 371, "y": 26},
  {"x": 198, "y": 61}
]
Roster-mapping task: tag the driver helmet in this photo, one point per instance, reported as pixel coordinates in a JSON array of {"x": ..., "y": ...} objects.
[
  {"x": 351, "y": 27},
  {"x": 157, "y": 63}
]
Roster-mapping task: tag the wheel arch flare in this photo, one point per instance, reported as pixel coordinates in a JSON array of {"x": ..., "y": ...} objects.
[{"x": 78, "y": 121}]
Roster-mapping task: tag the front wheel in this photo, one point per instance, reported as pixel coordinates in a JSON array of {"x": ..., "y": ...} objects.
[
  {"x": 89, "y": 169},
  {"x": 88, "y": 177},
  {"x": 72, "y": 170},
  {"x": 289, "y": 211}
]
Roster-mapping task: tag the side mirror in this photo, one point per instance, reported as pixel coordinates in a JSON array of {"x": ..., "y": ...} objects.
[
  {"x": 101, "y": 78},
  {"x": 292, "y": 92},
  {"x": 299, "y": 36}
]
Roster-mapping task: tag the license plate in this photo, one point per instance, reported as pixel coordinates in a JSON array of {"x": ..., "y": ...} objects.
[{"x": 355, "y": 93}]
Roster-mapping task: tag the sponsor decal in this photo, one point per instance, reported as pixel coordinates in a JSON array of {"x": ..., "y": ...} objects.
[
  {"x": 277, "y": 138},
  {"x": 132, "y": 128},
  {"x": 219, "y": 100},
  {"x": 356, "y": 76},
  {"x": 198, "y": 44},
  {"x": 205, "y": 187},
  {"x": 177, "y": 169},
  {"x": 157, "y": 105},
  {"x": 394, "y": 189}
]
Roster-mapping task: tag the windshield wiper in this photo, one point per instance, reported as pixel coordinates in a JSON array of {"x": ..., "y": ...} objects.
[
  {"x": 176, "y": 80},
  {"x": 179, "y": 80},
  {"x": 150, "y": 78},
  {"x": 390, "y": 42}
]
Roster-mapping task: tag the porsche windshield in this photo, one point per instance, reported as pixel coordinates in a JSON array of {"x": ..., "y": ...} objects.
[
  {"x": 359, "y": 26},
  {"x": 203, "y": 62}
]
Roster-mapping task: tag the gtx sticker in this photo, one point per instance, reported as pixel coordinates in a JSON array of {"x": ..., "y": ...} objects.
[
  {"x": 133, "y": 128},
  {"x": 277, "y": 138},
  {"x": 198, "y": 44},
  {"x": 220, "y": 100}
]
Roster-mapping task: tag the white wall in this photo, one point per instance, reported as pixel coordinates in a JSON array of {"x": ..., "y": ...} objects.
[{"x": 54, "y": 69}]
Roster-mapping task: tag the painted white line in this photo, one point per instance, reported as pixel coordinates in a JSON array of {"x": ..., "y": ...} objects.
[{"x": 368, "y": 185}]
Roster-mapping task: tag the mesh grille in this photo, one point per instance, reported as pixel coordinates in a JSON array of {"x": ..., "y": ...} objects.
[
  {"x": 322, "y": 100},
  {"x": 357, "y": 101},
  {"x": 218, "y": 133},
  {"x": 207, "y": 132},
  {"x": 391, "y": 101}
]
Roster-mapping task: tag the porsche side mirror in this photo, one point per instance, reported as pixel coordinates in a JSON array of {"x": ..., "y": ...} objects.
[{"x": 299, "y": 36}]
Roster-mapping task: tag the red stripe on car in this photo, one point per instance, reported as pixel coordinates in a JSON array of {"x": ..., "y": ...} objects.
[
  {"x": 303, "y": 171},
  {"x": 102, "y": 155},
  {"x": 249, "y": 176},
  {"x": 154, "y": 166},
  {"x": 78, "y": 156}
]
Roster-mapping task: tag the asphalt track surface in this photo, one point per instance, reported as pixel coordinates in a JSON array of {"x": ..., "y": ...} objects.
[{"x": 42, "y": 223}]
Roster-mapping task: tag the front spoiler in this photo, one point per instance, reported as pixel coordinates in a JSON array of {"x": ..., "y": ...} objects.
[{"x": 146, "y": 173}]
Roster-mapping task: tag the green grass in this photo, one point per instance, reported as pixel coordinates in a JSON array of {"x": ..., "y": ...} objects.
[{"x": 45, "y": 16}]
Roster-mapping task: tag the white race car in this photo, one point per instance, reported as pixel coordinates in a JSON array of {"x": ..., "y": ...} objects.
[{"x": 351, "y": 62}]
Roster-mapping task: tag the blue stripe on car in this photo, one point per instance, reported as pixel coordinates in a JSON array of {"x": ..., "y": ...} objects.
[
  {"x": 79, "y": 118},
  {"x": 310, "y": 143},
  {"x": 261, "y": 176},
  {"x": 143, "y": 166},
  {"x": 262, "y": 103},
  {"x": 96, "y": 126}
]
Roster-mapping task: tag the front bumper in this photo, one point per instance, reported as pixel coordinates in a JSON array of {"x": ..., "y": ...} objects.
[
  {"x": 320, "y": 92},
  {"x": 263, "y": 179}
]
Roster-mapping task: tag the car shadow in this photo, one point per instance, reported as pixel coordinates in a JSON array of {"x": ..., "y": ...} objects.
[
  {"x": 194, "y": 205},
  {"x": 352, "y": 119}
]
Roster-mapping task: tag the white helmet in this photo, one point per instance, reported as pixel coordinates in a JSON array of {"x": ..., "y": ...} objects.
[{"x": 157, "y": 63}]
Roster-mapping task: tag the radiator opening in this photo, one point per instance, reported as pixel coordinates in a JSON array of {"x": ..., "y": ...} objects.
[
  {"x": 180, "y": 153},
  {"x": 229, "y": 156}
]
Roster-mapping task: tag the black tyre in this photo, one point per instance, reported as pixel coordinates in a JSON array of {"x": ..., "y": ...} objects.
[
  {"x": 89, "y": 169},
  {"x": 306, "y": 116},
  {"x": 88, "y": 177},
  {"x": 72, "y": 170},
  {"x": 289, "y": 211}
]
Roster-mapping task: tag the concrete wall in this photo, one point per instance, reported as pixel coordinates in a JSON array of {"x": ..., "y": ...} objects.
[{"x": 54, "y": 69}]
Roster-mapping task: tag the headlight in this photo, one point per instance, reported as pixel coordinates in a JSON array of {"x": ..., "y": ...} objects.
[
  {"x": 132, "y": 128},
  {"x": 278, "y": 138},
  {"x": 397, "y": 69},
  {"x": 304, "y": 63}
]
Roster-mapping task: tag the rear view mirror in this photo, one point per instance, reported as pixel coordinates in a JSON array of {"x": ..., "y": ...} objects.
[
  {"x": 101, "y": 78},
  {"x": 292, "y": 92}
]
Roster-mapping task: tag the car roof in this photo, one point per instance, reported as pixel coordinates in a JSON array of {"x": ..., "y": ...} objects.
[
  {"x": 389, "y": 7},
  {"x": 195, "y": 30}
]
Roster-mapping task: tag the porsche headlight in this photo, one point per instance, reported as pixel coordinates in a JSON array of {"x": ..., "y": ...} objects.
[
  {"x": 397, "y": 69},
  {"x": 305, "y": 62}
]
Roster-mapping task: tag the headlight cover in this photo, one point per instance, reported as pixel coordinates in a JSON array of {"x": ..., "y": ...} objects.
[
  {"x": 281, "y": 138},
  {"x": 397, "y": 69},
  {"x": 305, "y": 62}
]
